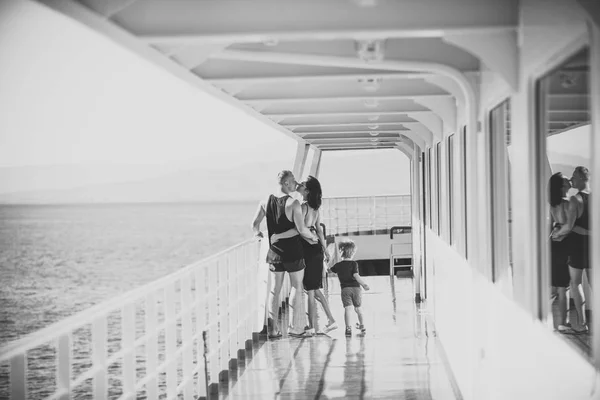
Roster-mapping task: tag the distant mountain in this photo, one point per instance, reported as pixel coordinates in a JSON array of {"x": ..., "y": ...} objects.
[
  {"x": 356, "y": 174},
  {"x": 249, "y": 182}
]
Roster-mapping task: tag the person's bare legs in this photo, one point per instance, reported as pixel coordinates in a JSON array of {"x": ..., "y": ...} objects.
[
  {"x": 578, "y": 297},
  {"x": 297, "y": 302},
  {"x": 360, "y": 316},
  {"x": 312, "y": 309},
  {"x": 323, "y": 300},
  {"x": 276, "y": 302},
  {"x": 562, "y": 306},
  {"x": 347, "y": 316}
]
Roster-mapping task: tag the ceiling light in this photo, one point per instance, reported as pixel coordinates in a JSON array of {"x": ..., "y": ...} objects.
[
  {"x": 374, "y": 139},
  {"x": 365, "y": 3},
  {"x": 373, "y": 118},
  {"x": 373, "y": 133},
  {"x": 374, "y": 143},
  {"x": 371, "y": 103},
  {"x": 271, "y": 42},
  {"x": 373, "y": 126},
  {"x": 370, "y": 50},
  {"x": 370, "y": 84}
]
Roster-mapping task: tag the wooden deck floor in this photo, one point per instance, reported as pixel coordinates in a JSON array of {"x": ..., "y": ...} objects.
[{"x": 398, "y": 358}]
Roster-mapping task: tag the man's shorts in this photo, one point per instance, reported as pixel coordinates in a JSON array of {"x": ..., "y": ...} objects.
[
  {"x": 291, "y": 266},
  {"x": 351, "y": 296}
]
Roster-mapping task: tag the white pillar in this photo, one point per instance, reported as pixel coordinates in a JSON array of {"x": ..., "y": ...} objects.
[
  {"x": 315, "y": 166},
  {"x": 301, "y": 154}
]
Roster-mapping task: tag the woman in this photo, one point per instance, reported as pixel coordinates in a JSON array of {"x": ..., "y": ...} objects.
[
  {"x": 557, "y": 197},
  {"x": 314, "y": 254},
  {"x": 577, "y": 227}
]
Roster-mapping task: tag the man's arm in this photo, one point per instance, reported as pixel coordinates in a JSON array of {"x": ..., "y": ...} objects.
[
  {"x": 258, "y": 217},
  {"x": 299, "y": 222},
  {"x": 566, "y": 228},
  {"x": 284, "y": 235}
]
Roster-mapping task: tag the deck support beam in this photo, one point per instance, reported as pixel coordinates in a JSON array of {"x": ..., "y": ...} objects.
[
  {"x": 300, "y": 160},
  {"x": 497, "y": 50},
  {"x": 315, "y": 166}
]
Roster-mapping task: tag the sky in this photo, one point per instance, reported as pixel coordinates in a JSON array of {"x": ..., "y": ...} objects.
[{"x": 76, "y": 109}]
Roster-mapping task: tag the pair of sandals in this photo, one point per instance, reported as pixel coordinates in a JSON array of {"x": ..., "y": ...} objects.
[{"x": 278, "y": 334}]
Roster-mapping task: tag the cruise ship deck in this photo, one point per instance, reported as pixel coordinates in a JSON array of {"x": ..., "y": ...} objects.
[{"x": 398, "y": 358}]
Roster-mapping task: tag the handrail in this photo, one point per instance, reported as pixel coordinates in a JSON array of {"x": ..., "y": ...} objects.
[
  {"x": 87, "y": 316},
  {"x": 226, "y": 315}
]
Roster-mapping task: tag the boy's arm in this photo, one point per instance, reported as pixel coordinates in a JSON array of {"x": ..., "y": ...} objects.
[{"x": 361, "y": 281}]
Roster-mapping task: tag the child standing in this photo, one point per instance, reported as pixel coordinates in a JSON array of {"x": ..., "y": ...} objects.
[{"x": 350, "y": 282}]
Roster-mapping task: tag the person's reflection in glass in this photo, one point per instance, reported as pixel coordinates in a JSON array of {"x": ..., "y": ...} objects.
[{"x": 558, "y": 187}]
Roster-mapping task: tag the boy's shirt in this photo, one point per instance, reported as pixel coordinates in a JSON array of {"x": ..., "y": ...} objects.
[{"x": 345, "y": 271}]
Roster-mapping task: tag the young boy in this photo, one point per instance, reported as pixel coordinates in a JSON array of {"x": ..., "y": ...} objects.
[{"x": 350, "y": 282}]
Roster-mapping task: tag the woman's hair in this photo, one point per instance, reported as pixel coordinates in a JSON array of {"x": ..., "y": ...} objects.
[
  {"x": 555, "y": 186},
  {"x": 347, "y": 248},
  {"x": 315, "y": 195}
]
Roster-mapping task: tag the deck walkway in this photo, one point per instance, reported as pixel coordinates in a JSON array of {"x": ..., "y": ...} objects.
[{"x": 398, "y": 358}]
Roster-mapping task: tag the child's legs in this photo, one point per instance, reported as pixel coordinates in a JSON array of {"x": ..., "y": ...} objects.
[
  {"x": 360, "y": 315},
  {"x": 347, "y": 302},
  {"x": 347, "y": 315}
]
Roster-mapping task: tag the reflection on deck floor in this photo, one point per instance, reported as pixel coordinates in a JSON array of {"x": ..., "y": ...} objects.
[{"x": 398, "y": 358}]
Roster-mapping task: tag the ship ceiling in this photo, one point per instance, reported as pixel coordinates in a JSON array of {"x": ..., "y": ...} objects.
[{"x": 336, "y": 74}]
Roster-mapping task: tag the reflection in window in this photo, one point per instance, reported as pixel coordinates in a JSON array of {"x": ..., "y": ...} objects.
[
  {"x": 430, "y": 186},
  {"x": 450, "y": 188},
  {"x": 438, "y": 175},
  {"x": 563, "y": 107},
  {"x": 502, "y": 257},
  {"x": 465, "y": 183}
]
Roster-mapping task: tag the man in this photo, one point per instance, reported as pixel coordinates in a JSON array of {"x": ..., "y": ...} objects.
[{"x": 286, "y": 255}]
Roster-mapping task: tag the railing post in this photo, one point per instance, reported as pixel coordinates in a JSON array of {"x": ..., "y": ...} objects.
[
  {"x": 128, "y": 332},
  {"x": 224, "y": 331},
  {"x": 63, "y": 366},
  {"x": 151, "y": 346},
  {"x": 201, "y": 311},
  {"x": 99, "y": 338},
  {"x": 18, "y": 377},
  {"x": 186, "y": 337},
  {"x": 170, "y": 339},
  {"x": 213, "y": 320}
]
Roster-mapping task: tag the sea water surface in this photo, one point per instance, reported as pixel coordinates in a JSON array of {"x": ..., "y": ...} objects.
[{"x": 56, "y": 260}]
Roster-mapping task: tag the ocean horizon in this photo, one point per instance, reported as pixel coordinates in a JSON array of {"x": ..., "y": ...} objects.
[{"x": 59, "y": 259}]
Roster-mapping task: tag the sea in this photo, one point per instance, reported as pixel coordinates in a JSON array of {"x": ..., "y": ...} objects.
[{"x": 57, "y": 260}]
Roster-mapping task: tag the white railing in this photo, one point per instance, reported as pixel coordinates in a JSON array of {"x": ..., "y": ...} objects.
[
  {"x": 365, "y": 213},
  {"x": 169, "y": 339}
]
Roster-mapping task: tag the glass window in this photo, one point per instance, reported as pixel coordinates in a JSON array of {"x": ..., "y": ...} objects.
[
  {"x": 438, "y": 176},
  {"x": 430, "y": 186},
  {"x": 465, "y": 183},
  {"x": 450, "y": 188},
  {"x": 499, "y": 181},
  {"x": 564, "y": 160}
]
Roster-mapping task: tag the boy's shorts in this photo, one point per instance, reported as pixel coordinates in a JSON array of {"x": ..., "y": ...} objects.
[{"x": 351, "y": 296}]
